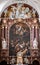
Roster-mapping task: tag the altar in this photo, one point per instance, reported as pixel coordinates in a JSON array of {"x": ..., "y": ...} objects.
[{"x": 19, "y": 34}]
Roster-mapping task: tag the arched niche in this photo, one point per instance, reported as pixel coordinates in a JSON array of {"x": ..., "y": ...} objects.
[
  {"x": 19, "y": 35},
  {"x": 22, "y": 11}
]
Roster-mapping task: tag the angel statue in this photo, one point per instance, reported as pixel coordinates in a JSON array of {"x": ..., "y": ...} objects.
[
  {"x": 35, "y": 44},
  {"x": 4, "y": 44}
]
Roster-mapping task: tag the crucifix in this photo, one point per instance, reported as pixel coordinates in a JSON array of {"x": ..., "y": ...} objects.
[{"x": 20, "y": 57}]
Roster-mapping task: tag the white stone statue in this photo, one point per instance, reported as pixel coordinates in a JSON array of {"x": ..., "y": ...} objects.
[
  {"x": 11, "y": 16},
  {"x": 17, "y": 13},
  {"x": 12, "y": 61},
  {"x": 26, "y": 60},
  {"x": 35, "y": 44},
  {"x": 4, "y": 44}
]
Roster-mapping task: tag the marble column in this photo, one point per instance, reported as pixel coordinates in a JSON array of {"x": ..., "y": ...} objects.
[
  {"x": 6, "y": 33},
  {"x": 32, "y": 35},
  {"x": 36, "y": 30},
  {"x": 2, "y": 31}
]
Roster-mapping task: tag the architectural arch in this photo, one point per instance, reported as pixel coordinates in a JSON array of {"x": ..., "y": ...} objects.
[{"x": 31, "y": 3}]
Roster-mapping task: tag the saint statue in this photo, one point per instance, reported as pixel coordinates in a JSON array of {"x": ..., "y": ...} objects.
[
  {"x": 35, "y": 44},
  {"x": 4, "y": 44}
]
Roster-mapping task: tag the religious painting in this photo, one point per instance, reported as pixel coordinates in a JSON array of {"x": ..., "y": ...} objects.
[{"x": 19, "y": 39}]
